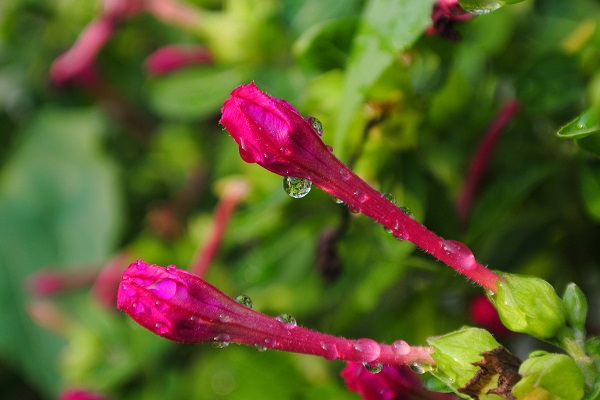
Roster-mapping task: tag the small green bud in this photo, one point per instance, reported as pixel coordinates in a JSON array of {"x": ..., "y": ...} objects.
[
  {"x": 529, "y": 305},
  {"x": 575, "y": 306},
  {"x": 455, "y": 353},
  {"x": 551, "y": 377}
]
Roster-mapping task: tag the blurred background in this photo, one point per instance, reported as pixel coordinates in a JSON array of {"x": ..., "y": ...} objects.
[{"x": 110, "y": 150}]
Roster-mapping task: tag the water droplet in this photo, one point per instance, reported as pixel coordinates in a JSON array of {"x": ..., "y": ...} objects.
[
  {"x": 400, "y": 347},
  {"x": 288, "y": 320},
  {"x": 345, "y": 174},
  {"x": 485, "y": 8},
  {"x": 138, "y": 307},
  {"x": 463, "y": 255},
  {"x": 366, "y": 350},
  {"x": 579, "y": 126},
  {"x": 390, "y": 197},
  {"x": 353, "y": 209},
  {"x": 316, "y": 124},
  {"x": 219, "y": 345},
  {"x": 331, "y": 351},
  {"x": 171, "y": 269},
  {"x": 259, "y": 348},
  {"x": 361, "y": 196},
  {"x": 329, "y": 148},
  {"x": 165, "y": 288},
  {"x": 224, "y": 318},
  {"x": 296, "y": 187},
  {"x": 417, "y": 368},
  {"x": 127, "y": 290},
  {"x": 140, "y": 265},
  {"x": 420, "y": 368},
  {"x": 160, "y": 328},
  {"x": 160, "y": 305},
  {"x": 407, "y": 211},
  {"x": 243, "y": 300},
  {"x": 193, "y": 318},
  {"x": 373, "y": 368},
  {"x": 336, "y": 200}
]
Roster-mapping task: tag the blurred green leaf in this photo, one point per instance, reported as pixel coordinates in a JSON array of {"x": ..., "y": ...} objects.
[
  {"x": 59, "y": 205},
  {"x": 385, "y": 29},
  {"x": 194, "y": 93}
]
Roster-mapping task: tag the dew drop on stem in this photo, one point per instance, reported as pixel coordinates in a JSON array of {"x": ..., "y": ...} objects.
[
  {"x": 244, "y": 300},
  {"x": 288, "y": 320}
]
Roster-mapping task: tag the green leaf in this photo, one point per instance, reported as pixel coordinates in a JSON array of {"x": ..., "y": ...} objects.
[
  {"x": 193, "y": 94},
  {"x": 455, "y": 353},
  {"x": 484, "y": 6},
  {"x": 59, "y": 204},
  {"x": 550, "y": 376},
  {"x": 575, "y": 306},
  {"x": 529, "y": 305},
  {"x": 583, "y": 125},
  {"x": 386, "y": 28}
]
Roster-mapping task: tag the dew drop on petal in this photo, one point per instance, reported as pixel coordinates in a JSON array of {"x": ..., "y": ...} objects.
[
  {"x": 140, "y": 265},
  {"x": 224, "y": 318},
  {"x": 160, "y": 328},
  {"x": 373, "y": 368},
  {"x": 461, "y": 253},
  {"x": 296, "y": 187},
  {"x": 417, "y": 368},
  {"x": 366, "y": 350},
  {"x": 288, "y": 320},
  {"x": 138, "y": 308},
  {"x": 400, "y": 347},
  {"x": 316, "y": 124},
  {"x": 219, "y": 345},
  {"x": 127, "y": 290},
  {"x": 244, "y": 300},
  {"x": 165, "y": 288},
  {"x": 259, "y": 348}
]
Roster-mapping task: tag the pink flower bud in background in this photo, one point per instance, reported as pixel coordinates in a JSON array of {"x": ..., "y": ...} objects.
[
  {"x": 171, "y": 58},
  {"x": 445, "y": 15},
  {"x": 80, "y": 394},
  {"x": 393, "y": 382},
  {"x": 80, "y": 57},
  {"x": 484, "y": 314}
]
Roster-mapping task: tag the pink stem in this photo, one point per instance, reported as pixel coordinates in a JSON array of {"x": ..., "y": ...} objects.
[{"x": 482, "y": 158}]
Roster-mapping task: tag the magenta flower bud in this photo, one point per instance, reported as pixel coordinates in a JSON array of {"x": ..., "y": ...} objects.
[
  {"x": 180, "y": 306},
  {"x": 445, "y": 15},
  {"x": 273, "y": 134},
  {"x": 393, "y": 382}
]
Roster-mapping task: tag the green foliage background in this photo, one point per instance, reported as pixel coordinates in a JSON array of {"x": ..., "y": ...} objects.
[{"x": 77, "y": 185}]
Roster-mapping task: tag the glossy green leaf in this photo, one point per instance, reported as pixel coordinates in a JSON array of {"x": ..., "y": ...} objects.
[{"x": 583, "y": 125}]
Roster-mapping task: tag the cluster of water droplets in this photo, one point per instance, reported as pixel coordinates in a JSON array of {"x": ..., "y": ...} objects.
[
  {"x": 392, "y": 199},
  {"x": 296, "y": 187}
]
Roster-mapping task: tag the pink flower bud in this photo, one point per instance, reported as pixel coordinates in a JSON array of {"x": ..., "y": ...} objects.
[
  {"x": 180, "y": 306},
  {"x": 273, "y": 134},
  {"x": 171, "y": 58}
]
